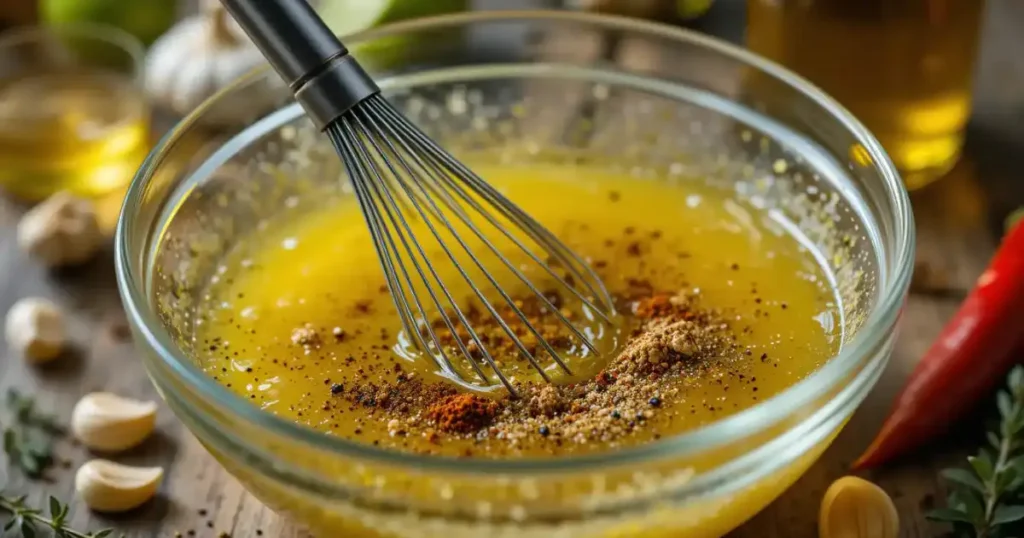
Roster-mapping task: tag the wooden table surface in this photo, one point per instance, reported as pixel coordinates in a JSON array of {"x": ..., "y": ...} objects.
[{"x": 959, "y": 221}]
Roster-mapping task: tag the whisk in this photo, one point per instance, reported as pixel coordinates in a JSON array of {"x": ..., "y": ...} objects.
[{"x": 417, "y": 200}]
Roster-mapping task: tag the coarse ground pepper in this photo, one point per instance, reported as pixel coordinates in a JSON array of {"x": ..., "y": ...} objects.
[{"x": 673, "y": 338}]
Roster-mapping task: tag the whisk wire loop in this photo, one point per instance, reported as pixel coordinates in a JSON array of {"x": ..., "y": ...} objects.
[
  {"x": 399, "y": 174},
  {"x": 366, "y": 176},
  {"x": 476, "y": 261},
  {"x": 540, "y": 235}
]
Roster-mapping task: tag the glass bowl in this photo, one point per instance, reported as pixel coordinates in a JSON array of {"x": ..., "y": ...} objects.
[{"x": 660, "y": 103}]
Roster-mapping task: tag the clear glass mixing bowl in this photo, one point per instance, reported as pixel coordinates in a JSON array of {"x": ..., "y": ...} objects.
[{"x": 660, "y": 103}]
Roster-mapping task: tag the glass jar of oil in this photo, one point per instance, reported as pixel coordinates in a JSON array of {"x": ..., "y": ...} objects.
[
  {"x": 73, "y": 115},
  {"x": 903, "y": 67}
]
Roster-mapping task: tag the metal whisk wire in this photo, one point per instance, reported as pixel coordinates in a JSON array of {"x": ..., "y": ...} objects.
[
  {"x": 401, "y": 176},
  {"x": 396, "y": 169}
]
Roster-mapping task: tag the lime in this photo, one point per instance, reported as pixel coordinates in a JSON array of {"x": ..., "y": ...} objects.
[
  {"x": 349, "y": 16},
  {"x": 691, "y": 9},
  {"x": 346, "y": 17},
  {"x": 145, "y": 19}
]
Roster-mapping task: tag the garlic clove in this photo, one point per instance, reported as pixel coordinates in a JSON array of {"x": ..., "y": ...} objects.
[
  {"x": 62, "y": 230},
  {"x": 105, "y": 486},
  {"x": 855, "y": 508},
  {"x": 35, "y": 327},
  {"x": 107, "y": 422}
]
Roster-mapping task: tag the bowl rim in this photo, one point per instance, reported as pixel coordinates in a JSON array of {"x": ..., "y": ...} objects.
[{"x": 872, "y": 334}]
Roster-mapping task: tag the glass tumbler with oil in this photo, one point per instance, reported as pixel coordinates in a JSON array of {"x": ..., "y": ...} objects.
[
  {"x": 903, "y": 67},
  {"x": 73, "y": 115}
]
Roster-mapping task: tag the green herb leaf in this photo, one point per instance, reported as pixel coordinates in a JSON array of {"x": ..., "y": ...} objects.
[
  {"x": 55, "y": 507},
  {"x": 963, "y": 477},
  {"x": 1007, "y": 514},
  {"x": 993, "y": 440},
  {"x": 28, "y": 438},
  {"x": 28, "y": 529},
  {"x": 982, "y": 465},
  {"x": 949, "y": 515},
  {"x": 1005, "y": 404},
  {"x": 28, "y": 442},
  {"x": 975, "y": 503}
]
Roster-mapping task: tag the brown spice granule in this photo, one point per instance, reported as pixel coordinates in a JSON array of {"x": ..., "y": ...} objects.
[{"x": 462, "y": 413}]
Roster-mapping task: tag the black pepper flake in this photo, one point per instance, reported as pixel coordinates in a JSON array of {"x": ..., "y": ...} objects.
[
  {"x": 616, "y": 415},
  {"x": 655, "y": 401},
  {"x": 337, "y": 388},
  {"x": 545, "y": 431}
]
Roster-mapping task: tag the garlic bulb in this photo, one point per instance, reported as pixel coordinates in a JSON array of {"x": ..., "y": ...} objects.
[
  {"x": 111, "y": 423},
  {"x": 106, "y": 486},
  {"x": 62, "y": 230},
  {"x": 195, "y": 59}
]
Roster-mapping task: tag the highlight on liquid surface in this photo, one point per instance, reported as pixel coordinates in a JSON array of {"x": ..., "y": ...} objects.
[
  {"x": 903, "y": 67},
  {"x": 81, "y": 131},
  {"x": 298, "y": 321}
]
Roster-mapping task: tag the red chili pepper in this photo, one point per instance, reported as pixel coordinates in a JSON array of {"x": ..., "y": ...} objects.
[{"x": 973, "y": 352}]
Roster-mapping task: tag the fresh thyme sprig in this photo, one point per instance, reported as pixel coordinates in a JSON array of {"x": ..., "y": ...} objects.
[
  {"x": 979, "y": 504},
  {"x": 28, "y": 521},
  {"x": 28, "y": 435}
]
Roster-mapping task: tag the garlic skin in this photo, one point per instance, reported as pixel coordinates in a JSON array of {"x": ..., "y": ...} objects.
[
  {"x": 35, "y": 327},
  {"x": 62, "y": 230},
  {"x": 106, "y": 422},
  {"x": 855, "y": 508},
  {"x": 105, "y": 486},
  {"x": 195, "y": 59}
]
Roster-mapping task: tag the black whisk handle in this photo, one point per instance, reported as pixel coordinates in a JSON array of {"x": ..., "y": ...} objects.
[{"x": 325, "y": 79}]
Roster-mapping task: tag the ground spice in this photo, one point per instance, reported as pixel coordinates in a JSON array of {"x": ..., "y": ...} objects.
[
  {"x": 462, "y": 413},
  {"x": 674, "y": 338}
]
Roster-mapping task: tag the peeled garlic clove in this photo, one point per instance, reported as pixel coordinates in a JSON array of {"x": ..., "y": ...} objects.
[
  {"x": 856, "y": 508},
  {"x": 105, "y": 486},
  {"x": 110, "y": 423},
  {"x": 35, "y": 327}
]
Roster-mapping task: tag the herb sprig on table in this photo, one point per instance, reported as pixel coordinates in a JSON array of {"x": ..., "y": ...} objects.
[
  {"x": 980, "y": 502},
  {"x": 29, "y": 521},
  {"x": 28, "y": 436}
]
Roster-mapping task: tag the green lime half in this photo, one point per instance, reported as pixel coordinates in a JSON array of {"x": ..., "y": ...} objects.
[
  {"x": 145, "y": 19},
  {"x": 691, "y": 9},
  {"x": 346, "y": 17}
]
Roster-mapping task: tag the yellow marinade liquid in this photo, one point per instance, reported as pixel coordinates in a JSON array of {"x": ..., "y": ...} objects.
[{"x": 317, "y": 269}]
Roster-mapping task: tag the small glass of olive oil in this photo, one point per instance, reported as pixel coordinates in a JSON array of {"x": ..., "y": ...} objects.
[{"x": 73, "y": 115}]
